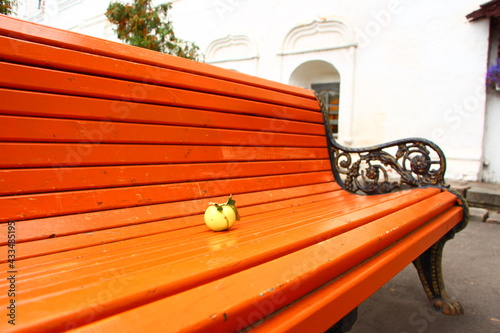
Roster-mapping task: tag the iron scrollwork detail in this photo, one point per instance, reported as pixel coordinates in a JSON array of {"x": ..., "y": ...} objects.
[
  {"x": 374, "y": 169},
  {"x": 413, "y": 162}
]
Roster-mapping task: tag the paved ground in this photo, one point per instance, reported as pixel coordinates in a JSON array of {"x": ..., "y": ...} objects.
[{"x": 471, "y": 266}]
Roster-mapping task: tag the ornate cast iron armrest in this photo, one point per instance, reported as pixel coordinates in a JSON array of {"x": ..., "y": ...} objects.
[
  {"x": 413, "y": 162},
  {"x": 373, "y": 170}
]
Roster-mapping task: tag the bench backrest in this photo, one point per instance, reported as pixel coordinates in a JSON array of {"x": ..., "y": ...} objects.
[{"x": 98, "y": 135}]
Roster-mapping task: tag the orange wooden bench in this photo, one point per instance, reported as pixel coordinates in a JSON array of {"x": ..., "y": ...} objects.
[{"x": 110, "y": 155}]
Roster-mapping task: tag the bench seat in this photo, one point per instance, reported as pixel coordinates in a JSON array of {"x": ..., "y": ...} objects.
[
  {"x": 111, "y": 154},
  {"x": 266, "y": 256}
]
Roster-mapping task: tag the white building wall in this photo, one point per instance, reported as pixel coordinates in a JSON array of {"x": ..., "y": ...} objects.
[{"x": 407, "y": 68}]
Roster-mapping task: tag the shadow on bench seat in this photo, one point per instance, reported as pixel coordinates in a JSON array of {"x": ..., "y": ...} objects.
[{"x": 111, "y": 154}]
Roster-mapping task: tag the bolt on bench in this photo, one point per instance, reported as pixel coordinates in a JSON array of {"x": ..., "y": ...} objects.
[{"x": 110, "y": 155}]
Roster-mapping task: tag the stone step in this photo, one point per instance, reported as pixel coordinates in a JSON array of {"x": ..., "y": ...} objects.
[
  {"x": 483, "y": 197},
  {"x": 483, "y": 200}
]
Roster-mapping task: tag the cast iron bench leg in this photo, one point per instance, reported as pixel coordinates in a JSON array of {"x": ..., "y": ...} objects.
[{"x": 431, "y": 275}]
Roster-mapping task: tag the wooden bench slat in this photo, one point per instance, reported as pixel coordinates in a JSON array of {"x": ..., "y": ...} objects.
[
  {"x": 162, "y": 233},
  {"x": 73, "y": 41},
  {"x": 46, "y": 80},
  {"x": 46, "y": 274},
  {"x": 30, "y": 103},
  {"x": 22, "y": 207},
  {"x": 150, "y": 233},
  {"x": 308, "y": 215},
  {"x": 34, "y": 54},
  {"x": 340, "y": 253},
  {"x": 28, "y": 129},
  {"x": 22, "y": 181},
  {"x": 24, "y": 155},
  {"x": 172, "y": 243},
  {"x": 85, "y": 222},
  {"x": 177, "y": 238},
  {"x": 332, "y": 302}
]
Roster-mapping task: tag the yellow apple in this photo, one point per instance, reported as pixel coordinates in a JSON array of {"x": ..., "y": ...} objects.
[{"x": 219, "y": 218}]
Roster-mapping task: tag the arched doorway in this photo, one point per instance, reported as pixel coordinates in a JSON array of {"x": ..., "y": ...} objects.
[
  {"x": 323, "y": 52},
  {"x": 324, "y": 79}
]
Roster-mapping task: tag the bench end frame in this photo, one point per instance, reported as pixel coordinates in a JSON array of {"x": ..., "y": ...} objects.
[
  {"x": 418, "y": 163},
  {"x": 399, "y": 164}
]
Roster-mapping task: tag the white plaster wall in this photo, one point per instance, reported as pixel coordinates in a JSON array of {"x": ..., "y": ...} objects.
[
  {"x": 423, "y": 75},
  {"x": 417, "y": 67}
]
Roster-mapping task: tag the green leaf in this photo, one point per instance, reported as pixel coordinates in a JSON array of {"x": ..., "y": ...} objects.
[{"x": 232, "y": 203}]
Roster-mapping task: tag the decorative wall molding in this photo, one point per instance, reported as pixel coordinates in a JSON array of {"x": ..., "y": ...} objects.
[
  {"x": 327, "y": 34},
  {"x": 231, "y": 48}
]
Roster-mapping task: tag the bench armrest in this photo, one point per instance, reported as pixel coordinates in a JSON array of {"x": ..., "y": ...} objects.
[
  {"x": 412, "y": 162},
  {"x": 406, "y": 163}
]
